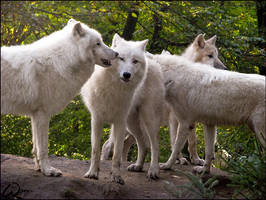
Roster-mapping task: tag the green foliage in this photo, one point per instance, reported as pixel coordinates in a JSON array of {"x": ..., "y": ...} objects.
[
  {"x": 249, "y": 174},
  {"x": 16, "y": 135},
  {"x": 74, "y": 138},
  {"x": 195, "y": 188},
  {"x": 233, "y": 141},
  {"x": 236, "y": 141},
  {"x": 234, "y": 22},
  {"x": 165, "y": 144}
]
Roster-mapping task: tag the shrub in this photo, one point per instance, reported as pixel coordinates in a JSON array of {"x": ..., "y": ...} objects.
[{"x": 249, "y": 174}]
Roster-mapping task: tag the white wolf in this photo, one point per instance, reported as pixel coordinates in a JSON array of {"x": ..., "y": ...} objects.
[
  {"x": 198, "y": 93},
  {"x": 39, "y": 79},
  {"x": 201, "y": 50},
  {"x": 108, "y": 95}
]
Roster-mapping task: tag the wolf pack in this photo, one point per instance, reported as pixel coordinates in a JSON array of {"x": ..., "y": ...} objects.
[{"x": 134, "y": 91}]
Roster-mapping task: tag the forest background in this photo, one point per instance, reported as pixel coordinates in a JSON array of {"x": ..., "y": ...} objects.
[{"x": 240, "y": 30}]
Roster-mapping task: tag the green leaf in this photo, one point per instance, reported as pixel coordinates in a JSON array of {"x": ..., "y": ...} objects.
[{"x": 134, "y": 15}]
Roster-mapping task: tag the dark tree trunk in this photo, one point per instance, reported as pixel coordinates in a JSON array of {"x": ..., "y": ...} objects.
[
  {"x": 131, "y": 23},
  {"x": 156, "y": 42},
  {"x": 261, "y": 15}
]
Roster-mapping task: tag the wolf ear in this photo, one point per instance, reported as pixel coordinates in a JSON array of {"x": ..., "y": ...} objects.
[
  {"x": 71, "y": 21},
  {"x": 199, "y": 41},
  {"x": 143, "y": 44},
  {"x": 116, "y": 40},
  {"x": 78, "y": 30},
  {"x": 212, "y": 40}
]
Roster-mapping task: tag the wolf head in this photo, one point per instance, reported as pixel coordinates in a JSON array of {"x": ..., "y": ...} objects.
[
  {"x": 90, "y": 44},
  {"x": 131, "y": 62},
  {"x": 204, "y": 51}
]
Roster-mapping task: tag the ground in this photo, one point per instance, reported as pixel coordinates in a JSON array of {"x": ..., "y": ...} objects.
[{"x": 19, "y": 180}]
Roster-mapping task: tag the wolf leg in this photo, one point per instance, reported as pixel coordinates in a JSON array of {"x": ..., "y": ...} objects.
[
  {"x": 34, "y": 149},
  {"x": 192, "y": 148},
  {"x": 133, "y": 124},
  {"x": 96, "y": 133},
  {"x": 173, "y": 125},
  {"x": 118, "y": 138},
  {"x": 257, "y": 125},
  {"x": 40, "y": 127},
  {"x": 210, "y": 138},
  {"x": 182, "y": 134},
  {"x": 152, "y": 127},
  {"x": 108, "y": 148},
  {"x": 129, "y": 141}
]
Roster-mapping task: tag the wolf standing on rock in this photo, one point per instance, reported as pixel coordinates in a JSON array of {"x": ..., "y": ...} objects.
[
  {"x": 39, "y": 79},
  {"x": 108, "y": 95},
  {"x": 202, "y": 51},
  {"x": 198, "y": 93}
]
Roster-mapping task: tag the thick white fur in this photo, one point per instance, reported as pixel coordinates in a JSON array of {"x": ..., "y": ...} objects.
[
  {"x": 145, "y": 118},
  {"x": 109, "y": 97},
  {"x": 39, "y": 79},
  {"x": 199, "y": 50},
  {"x": 200, "y": 93},
  {"x": 143, "y": 123}
]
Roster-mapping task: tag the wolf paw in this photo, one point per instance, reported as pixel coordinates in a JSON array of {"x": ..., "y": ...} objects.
[
  {"x": 153, "y": 173},
  {"x": 200, "y": 169},
  {"x": 182, "y": 161},
  {"x": 117, "y": 179},
  {"x": 36, "y": 165},
  {"x": 165, "y": 166},
  {"x": 134, "y": 168},
  {"x": 51, "y": 171},
  {"x": 197, "y": 161},
  {"x": 91, "y": 175}
]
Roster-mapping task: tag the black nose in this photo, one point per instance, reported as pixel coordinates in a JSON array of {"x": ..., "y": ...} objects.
[
  {"x": 116, "y": 54},
  {"x": 126, "y": 75}
]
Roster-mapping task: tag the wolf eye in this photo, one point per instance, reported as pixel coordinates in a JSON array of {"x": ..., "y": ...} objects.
[
  {"x": 210, "y": 56},
  {"x": 98, "y": 44},
  {"x": 135, "y": 61},
  {"x": 121, "y": 58}
]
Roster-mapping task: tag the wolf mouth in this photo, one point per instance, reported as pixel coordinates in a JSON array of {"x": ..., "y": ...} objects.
[
  {"x": 106, "y": 62},
  {"x": 125, "y": 80}
]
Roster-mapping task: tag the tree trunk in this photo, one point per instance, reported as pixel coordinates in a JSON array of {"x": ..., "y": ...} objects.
[
  {"x": 157, "y": 45},
  {"x": 132, "y": 18},
  {"x": 261, "y": 7}
]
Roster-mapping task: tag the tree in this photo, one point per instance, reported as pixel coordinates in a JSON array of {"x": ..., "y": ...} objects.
[
  {"x": 130, "y": 26},
  {"x": 156, "y": 45}
]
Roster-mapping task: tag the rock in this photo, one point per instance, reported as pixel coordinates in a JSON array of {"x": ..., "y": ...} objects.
[{"x": 20, "y": 180}]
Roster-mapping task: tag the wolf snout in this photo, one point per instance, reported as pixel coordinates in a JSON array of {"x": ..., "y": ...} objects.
[
  {"x": 126, "y": 76},
  {"x": 107, "y": 62}
]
